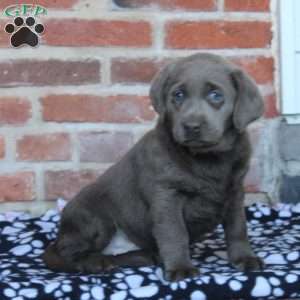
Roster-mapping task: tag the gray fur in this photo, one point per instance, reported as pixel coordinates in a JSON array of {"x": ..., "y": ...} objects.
[{"x": 176, "y": 184}]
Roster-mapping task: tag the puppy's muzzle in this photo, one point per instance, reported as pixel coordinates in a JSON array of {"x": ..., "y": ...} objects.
[{"x": 192, "y": 129}]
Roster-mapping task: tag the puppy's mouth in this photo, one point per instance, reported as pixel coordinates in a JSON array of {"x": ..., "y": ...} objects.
[
  {"x": 197, "y": 140},
  {"x": 199, "y": 143}
]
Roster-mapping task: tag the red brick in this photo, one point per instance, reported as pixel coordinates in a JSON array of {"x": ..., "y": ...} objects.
[
  {"x": 247, "y": 5},
  {"x": 254, "y": 177},
  {"x": 218, "y": 34},
  {"x": 4, "y": 37},
  {"x": 88, "y": 108},
  {"x": 142, "y": 70},
  {"x": 259, "y": 67},
  {"x": 46, "y": 3},
  {"x": 104, "y": 147},
  {"x": 48, "y": 72},
  {"x": 271, "y": 110},
  {"x": 103, "y": 33},
  {"x": 17, "y": 187},
  {"x": 205, "y": 5},
  {"x": 134, "y": 70},
  {"x": 14, "y": 110},
  {"x": 46, "y": 147},
  {"x": 2, "y": 147},
  {"x": 67, "y": 183},
  {"x": 256, "y": 139}
]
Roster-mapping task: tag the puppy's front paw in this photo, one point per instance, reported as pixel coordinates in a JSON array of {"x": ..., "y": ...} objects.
[
  {"x": 249, "y": 263},
  {"x": 181, "y": 273}
]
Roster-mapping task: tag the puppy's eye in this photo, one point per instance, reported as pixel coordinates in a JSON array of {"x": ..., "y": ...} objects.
[
  {"x": 178, "y": 96},
  {"x": 215, "y": 97}
]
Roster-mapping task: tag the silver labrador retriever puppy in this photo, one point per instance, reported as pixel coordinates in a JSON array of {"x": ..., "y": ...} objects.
[{"x": 177, "y": 183}]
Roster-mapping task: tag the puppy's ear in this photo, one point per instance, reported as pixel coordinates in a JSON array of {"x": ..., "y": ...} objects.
[
  {"x": 158, "y": 88},
  {"x": 249, "y": 103}
]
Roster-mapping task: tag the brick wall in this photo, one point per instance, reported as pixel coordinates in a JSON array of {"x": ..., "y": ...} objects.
[{"x": 72, "y": 106}]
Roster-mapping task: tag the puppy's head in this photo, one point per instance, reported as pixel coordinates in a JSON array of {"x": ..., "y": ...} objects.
[{"x": 202, "y": 96}]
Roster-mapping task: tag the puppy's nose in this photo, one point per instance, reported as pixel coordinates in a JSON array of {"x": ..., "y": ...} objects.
[{"x": 192, "y": 127}]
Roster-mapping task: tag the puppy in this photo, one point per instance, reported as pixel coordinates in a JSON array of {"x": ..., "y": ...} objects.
[{"x": 177, "y": 183}]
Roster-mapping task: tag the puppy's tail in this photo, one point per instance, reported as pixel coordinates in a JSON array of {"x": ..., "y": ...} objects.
[{"x": 55, "y": 261}]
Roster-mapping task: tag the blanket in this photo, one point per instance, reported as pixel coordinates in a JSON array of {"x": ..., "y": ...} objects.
[{"x": 274, "y": 235}]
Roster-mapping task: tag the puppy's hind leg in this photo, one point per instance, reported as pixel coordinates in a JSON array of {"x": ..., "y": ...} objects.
[
  {"x": 87, "y": 261},
  {"x": 76, "y": 253},
  {"x": 85, "y": 230},
  {"x": 136, "y": 258},
  {"x": 82, "y": 236},
  {"x": 97, "y": 262}
]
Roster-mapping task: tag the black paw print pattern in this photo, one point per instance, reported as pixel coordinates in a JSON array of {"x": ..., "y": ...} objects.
[{"x": 24, "y": 33}]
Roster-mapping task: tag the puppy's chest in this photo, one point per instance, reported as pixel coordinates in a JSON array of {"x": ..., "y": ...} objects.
[
  {"x": 203, "y": 211},
  {"x": 205, "y": 193},
  {"x": 206, "y": 181}
]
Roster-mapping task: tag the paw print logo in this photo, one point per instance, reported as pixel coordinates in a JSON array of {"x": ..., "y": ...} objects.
[{"x": 24, "y": 33}]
